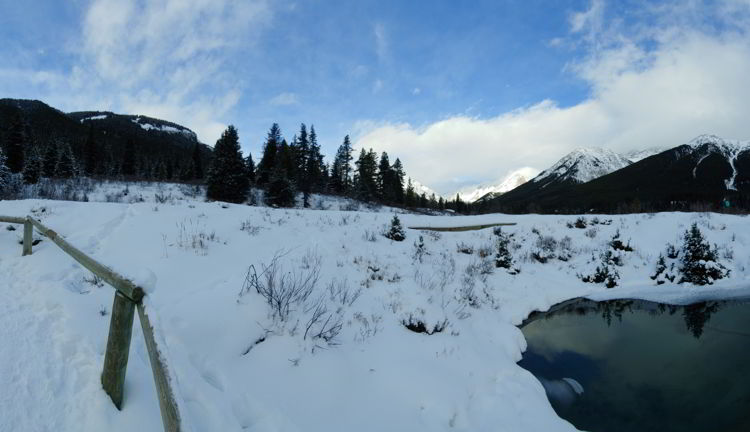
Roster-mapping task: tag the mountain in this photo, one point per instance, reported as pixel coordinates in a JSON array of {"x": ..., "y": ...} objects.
[
  {"x": 492, "y": 190},
  {"x": 638, "y": 155},
  {"x": 577, "y": 167},
  {"x": 420, "y": 189},
  {"x": 698, "y": 175},
  {"x": 161, "y": 149}
]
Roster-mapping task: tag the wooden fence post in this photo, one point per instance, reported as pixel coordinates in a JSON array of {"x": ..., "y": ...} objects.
[
  {"x": 28, "y": 231},
  {"x": 118, "y": 347}
]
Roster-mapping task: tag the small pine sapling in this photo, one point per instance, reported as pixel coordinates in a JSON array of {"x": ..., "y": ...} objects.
[
  {"x": 396, "y": 232},
  {"x": 698, "y": 262}
]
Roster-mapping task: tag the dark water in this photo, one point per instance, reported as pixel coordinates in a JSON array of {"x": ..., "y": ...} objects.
[{"x": 644, "y": 366}]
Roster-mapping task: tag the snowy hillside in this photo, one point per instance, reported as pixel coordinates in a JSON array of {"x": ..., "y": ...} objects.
[
  {"x": 420, "y": 189},
  {"x": 583, "y": 165},
  {"x": 638, "y": 155},
  {"x": 509, "y": 182},
  {"x": 351, "y": 354}
]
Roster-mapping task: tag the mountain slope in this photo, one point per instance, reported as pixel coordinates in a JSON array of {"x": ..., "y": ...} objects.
[
  {"x": 162, "y": 149},
  {"x": 698, "y": 175},
  {"x": 578, "y": 166},
  {"x": 488, "y": 191}
]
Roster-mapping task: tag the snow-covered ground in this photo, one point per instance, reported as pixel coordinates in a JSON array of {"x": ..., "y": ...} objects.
[{"x": 240, "y": 366}]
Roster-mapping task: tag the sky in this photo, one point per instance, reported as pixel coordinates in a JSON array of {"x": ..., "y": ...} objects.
[{"x": 463, "y": 93}]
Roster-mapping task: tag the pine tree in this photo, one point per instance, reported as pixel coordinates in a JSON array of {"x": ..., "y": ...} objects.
[
  {"x": 367, "y": 184},
  {"x": 227, "y": 177},
  {"x": 396, "y": 233},
  {"x": 91, "y": 156},
  {"x": 250, "y": 167},
  {"x": 197, "y": 163},
  {"x": 280, "y": 191},
  {"x": 5, "y": 176},
  {"x": 15, "y": 145},
  {"x": 410, "y": 197},
  {"x": 50, "y": 160},
  {"x": 503, "y": 257},
  {"x": 66, "y": 163},
  {"x": 267, "y": 162},
  {"x": 385, "y": 179},
  {"x": 33, "y": 167},
  {"x": 341, "y": 181},
  {"x": 314, "y": 161},
  {"x": 398, "y": 181},
  {"x": 698, "y": 259}
]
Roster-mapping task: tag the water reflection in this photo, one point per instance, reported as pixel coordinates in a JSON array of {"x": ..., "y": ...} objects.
[{"x": 629, "y": 365}]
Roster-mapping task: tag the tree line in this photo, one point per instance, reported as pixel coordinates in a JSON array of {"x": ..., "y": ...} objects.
[{"x": 288, "y": 168}]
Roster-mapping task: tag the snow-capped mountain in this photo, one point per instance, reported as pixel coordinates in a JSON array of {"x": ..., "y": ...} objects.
[
  {"x": 420, "y": 189},
  {"x": 706, "y": 173},
  {"x": 638, "y": 155},
  {"x": 583, "y": 165},
  {"x": 491, "y": 190}
]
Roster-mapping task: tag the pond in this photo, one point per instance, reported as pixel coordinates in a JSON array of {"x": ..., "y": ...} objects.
[{"x": 632, "y": 365}]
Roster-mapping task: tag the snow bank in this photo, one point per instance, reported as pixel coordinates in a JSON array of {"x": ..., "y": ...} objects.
[{"x": 238, "y": 367}]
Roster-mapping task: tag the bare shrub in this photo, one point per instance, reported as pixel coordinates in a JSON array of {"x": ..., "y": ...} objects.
[
  {"x": 282, "y": 291},
  {"x": 193, "y": 235},
  {"x": 370, "y": 236},
  {"x": 249, "y": 227}
]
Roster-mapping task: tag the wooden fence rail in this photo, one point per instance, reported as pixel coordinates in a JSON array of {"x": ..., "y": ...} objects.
[{"x": 128, "y": 297}]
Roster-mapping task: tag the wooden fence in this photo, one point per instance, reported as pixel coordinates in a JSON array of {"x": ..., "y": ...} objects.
[{"x": 128, "y": 297}]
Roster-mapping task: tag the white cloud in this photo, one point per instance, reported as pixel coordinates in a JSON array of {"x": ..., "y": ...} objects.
[
  {"x": 416, "y": 91},
  {"x": 590, "y": 18},
  {"x": 690, "y": 82},
  {"x": 162, "y": 58},
  {"x": 285, "y": 98}
]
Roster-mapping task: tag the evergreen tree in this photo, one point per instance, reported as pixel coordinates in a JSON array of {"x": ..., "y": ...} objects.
[
  {"x": 15, "y": 145},
  {"x": 503, "y": 257},
  {"x": 367, "y": 183},
  {"x": 341, "y": 181},
  {"x": 396, "y": 233},
  {"x": 280, "y": 191},
  {"x": 398, "y": 181},
  {"x": 91, "y": 156},
  {"x": 227, "y": 177},
  {"x": 66, "y": 163},
  {"x": 314, "y": 161},
  {"x": 250, "y": 167},
  {"x": 128, "y": 159},
  {"x": 410, "y": 197},
  {"x": 5, "y": 176},
  {"x": 384, "y": 179},
  {"x": 33, "y": 167},
  {"x": 698, "y": 259},
  {"x": 50, "y": 161},
  {"x": 267, "y": 163},
  {"x": 197, "y": 163}
]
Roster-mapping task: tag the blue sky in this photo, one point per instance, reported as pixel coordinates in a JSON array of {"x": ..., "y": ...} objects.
[{"x": 463, "y": 92}]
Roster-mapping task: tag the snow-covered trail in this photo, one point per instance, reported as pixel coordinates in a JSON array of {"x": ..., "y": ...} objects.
[{"x": 44, "y": 369}]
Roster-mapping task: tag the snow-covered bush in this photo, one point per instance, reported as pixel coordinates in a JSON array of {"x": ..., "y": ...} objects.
[
  {"x": 618, "y": 245},
  {"x": 418, "y": 326},
  {"x": 606, "y": 272},
  {"x": 698, "y": 263},
  {"x": 545, "y": 248},
  {"x": 503, "y": 256},
  {"x": 666, "y": 270},
  {"x": 396, "y": 232}
]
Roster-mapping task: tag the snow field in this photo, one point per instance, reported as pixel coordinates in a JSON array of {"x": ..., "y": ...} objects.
[{"x": 240, "y": 367}]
